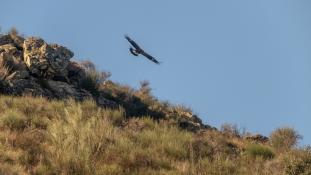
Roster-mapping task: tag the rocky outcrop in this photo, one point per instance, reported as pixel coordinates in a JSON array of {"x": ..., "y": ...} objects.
[
  {"x": 12, "y": 58},
  {"x": 32, "y": 66},
  {"x": 187, "y": 120},
  {"x": 14, "y": 39},
  {"x": 45, "y": 60},
  {"x": 257, "y": 138},
  {"x": 191, "y": 124}
]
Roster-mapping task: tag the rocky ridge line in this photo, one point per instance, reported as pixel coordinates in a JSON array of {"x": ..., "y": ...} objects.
[{"x": 33, "y": 67}]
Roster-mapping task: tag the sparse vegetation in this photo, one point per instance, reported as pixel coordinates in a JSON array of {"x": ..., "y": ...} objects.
[
  {"x": 230, "y": 130},
  {"x": 4, "y": 72},
  {"x": 93, "y": 79},
  {"x": 68, "y": 137},
  {"x": 298, "y": 162},
  {"x": 283, "y": 139}
]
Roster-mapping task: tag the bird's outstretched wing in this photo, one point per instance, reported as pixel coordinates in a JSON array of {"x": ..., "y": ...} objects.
[
  {"x": 134, "y": 44},
  {"x": 150, "y": 57}
]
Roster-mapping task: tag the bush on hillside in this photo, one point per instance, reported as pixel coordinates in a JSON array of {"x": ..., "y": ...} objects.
[
  {"x": 255, "y": 150},
  {"x": 93, "y": 79},
  {"x": 230, "y": 130},
  {"x": 283, "y": 139}
]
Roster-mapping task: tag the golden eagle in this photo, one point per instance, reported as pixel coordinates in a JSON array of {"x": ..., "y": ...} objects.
[{"x": 137, "y": 50}]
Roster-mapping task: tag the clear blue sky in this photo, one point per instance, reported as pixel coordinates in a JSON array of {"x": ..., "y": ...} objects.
[{"x": 243, "y": 62}]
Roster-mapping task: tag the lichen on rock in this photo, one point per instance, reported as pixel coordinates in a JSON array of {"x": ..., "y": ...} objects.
[{"x": 45, "y": 60}]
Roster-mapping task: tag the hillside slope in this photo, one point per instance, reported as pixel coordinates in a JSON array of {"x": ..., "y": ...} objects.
[{"x": 63, "y": 117}]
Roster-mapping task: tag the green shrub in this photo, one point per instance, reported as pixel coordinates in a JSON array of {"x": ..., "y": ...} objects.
[
  {"x": 283, "y": 139},
  {"x": 254, "y": 150}
]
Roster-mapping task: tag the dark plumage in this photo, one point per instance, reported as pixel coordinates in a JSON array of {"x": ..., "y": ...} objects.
[{"x": 137, "y": 50}]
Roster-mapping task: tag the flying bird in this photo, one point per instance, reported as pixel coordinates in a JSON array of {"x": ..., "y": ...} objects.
[{"x": 137, "y": 50}]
